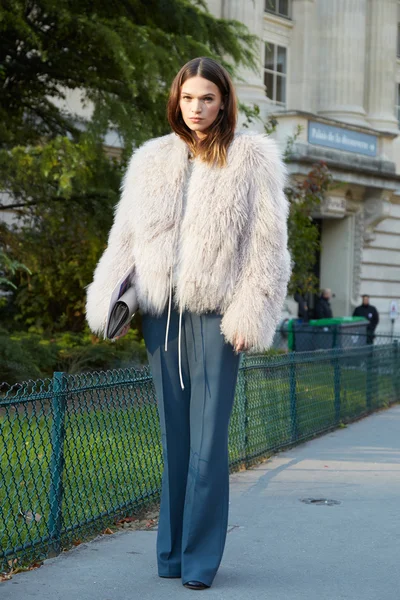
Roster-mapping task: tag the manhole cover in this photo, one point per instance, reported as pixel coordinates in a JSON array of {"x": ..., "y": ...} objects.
[{"x": 323, "y": 501}]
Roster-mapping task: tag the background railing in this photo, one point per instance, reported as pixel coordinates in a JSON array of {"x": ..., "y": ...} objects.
[{"x": 78, "y": 452}]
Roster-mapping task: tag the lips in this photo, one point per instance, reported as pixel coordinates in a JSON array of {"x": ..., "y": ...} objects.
[{"x": 196, "y": 120}]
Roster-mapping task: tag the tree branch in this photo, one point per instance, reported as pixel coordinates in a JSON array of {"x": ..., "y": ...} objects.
[{"x": 77, "y": 199}]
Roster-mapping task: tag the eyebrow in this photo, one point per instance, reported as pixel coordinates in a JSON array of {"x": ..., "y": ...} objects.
[{"x": 203, "y": 96}]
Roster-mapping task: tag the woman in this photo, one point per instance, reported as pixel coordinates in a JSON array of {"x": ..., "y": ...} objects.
[{"x": 202, "y": 216}]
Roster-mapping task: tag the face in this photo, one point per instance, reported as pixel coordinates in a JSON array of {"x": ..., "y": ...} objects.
[
  {"x": 200, "y": 103},
  {"x": 366, "y": 300}
]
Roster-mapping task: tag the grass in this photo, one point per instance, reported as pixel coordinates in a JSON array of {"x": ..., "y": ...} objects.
[
  {"x": 270, "y": 419},
  {"x": 112, "y": 459},
  {"x": 112, "y": 448}
]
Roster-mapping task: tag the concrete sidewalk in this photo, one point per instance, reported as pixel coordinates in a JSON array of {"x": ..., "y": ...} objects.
[{"x": 278, "y": 547}]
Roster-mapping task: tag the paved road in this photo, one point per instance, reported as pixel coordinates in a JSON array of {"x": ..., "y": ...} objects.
[{"x": 278, "y": 547}]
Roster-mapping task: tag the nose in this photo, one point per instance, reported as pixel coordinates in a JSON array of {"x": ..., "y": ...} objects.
[{"x": 196, "y": 106}]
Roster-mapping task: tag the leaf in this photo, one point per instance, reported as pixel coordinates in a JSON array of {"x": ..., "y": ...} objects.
[
  {"x": 150, "y": 523},
  {"x": 108, "y": 531},
  {"x": 126, "y": 520},
  {"x": 29, "y": 516}
]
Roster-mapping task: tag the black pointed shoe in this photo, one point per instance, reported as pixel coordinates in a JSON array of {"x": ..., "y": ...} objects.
[{"x": 196, "y": 585}]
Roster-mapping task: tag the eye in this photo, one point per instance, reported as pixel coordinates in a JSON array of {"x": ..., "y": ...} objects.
[{"x": 209, "y": 99}]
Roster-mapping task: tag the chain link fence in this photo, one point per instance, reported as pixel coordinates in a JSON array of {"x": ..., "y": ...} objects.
[{"x": 78, "y": 452}]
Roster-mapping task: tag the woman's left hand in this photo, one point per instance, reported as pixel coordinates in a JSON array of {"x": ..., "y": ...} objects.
[
  {"x": 124, "y": 331},
  {"x": 240, "y": 344}
]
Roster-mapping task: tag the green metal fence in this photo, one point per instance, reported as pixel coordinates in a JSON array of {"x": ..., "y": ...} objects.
[{"x": 78, "y": 451}]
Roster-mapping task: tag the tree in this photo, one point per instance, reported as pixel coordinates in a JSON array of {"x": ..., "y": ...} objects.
[
  {"x": 122, "y": 55},
  {"x": 65, "y": 210},
  {"x": 305, "y": 197},
  {"x": 9, "y": 267}
]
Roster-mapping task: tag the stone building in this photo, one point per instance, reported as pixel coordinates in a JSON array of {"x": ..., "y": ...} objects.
[{"x": 333, "y": 67}]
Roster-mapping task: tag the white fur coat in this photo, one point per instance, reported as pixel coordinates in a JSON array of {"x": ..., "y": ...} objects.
[{"x": 229, "y": 247}]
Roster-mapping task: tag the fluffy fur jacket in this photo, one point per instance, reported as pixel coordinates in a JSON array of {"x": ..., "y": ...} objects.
[{"x": 228, "y": 248}]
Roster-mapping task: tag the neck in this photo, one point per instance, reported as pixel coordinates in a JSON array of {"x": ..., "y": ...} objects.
[{"x": 199, "y": 135}]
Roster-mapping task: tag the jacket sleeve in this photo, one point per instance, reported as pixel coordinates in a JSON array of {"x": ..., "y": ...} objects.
[
  {"x": 375, "y": 318},
  {"x": 115, "y": 261},
  {"x": 265, "y": 264}
]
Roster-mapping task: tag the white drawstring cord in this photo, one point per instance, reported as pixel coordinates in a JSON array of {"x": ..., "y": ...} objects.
[
  {"x": 180, "y": 320},
  {"x": 169, "y": 310},
  {"x": 179, "y": 334},
  {"x": 179, "y": 349}
]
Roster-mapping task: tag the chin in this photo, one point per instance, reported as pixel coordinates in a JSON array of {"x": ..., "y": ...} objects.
[{"x": 197, "y": 127}]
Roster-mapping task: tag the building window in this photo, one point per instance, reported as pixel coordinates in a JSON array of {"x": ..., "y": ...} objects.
[
  {"x": 398, "y": 103},
  {"x": 275, "y": 70},
  {"x": 283, "y": 8}
]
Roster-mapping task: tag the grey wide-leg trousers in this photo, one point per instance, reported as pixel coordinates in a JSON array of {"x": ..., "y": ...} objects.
[{"x": 194, "y": 425}]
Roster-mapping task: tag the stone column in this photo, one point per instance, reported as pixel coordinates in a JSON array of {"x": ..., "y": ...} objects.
[
  {"x": 303, "y": 57},
  {"x": 341, "y": 58},
  {"x": 381, "y": 63},
  {"x": 250, "y": 85}
]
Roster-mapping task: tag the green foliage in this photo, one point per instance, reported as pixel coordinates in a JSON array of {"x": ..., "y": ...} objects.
[
  {"x": 57, "y": 171},
  {"x": 31, "y": 355},
  {"x": 122, "y": 56},
  {"x": 252, "y": 114},
  {"x": 64, "y": 193},
  {"x": 9, "y": 267},
  {"x": 305, "y": 197}
]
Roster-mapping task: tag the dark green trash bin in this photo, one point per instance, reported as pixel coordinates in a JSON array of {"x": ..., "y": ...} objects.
[{"x": 320, "y": 334}]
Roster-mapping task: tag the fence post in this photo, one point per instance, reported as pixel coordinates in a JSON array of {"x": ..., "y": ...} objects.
[
  {"x": 396, "y": 370},
  {"x": 293, "y": 397},
  {"x": 369, "y": 380},
  {"x": 337, "y": 382},
  {"x": 335, "y": 335},
  {"x": 245, "y": 410},
  {"x": 57, "y": 462}
]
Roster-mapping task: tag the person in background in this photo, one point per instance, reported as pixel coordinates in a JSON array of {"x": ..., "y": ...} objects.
[
  {"x": 368, "y": 312},
  {"x": 323, "y": 309},
  {"x": 302, "y": 311}
]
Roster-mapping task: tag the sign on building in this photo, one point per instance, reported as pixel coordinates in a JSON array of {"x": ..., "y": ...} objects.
[{"x": 342, "y": 139}]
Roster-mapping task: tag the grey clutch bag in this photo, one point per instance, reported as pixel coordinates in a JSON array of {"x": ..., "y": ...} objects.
[{"x": 122, "y": 313}]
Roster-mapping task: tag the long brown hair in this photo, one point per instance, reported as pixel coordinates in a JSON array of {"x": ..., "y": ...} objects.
[{"x": 213, "y": 148}]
